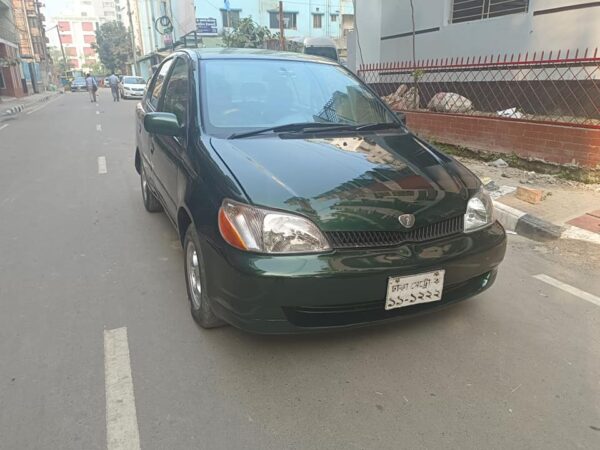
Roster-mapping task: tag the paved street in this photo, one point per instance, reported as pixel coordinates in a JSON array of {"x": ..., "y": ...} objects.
[{"x": 518, "y": 367}]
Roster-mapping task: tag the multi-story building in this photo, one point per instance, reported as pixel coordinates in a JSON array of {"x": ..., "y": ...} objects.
[
  {"x": 108, "y": 10},
  {"x": 309, "y": 18},
  {"x": 33, "y": 53},
  {"x": 77, "y": 35},
  {"x": 459, "y": 28},
  {"x": 10, "y": 69},
  {"x": 77, "y": 28}
]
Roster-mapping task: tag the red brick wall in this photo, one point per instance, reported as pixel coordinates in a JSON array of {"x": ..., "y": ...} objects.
[{"x": 551, "y": 143}]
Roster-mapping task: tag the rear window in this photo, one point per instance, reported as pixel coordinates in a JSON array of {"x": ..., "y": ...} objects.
[
  {"x": 325, "y": 52},
  {"x": 133, "y": 80}
]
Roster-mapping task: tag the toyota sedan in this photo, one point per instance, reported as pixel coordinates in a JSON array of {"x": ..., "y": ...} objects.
[{"x": 301, "y": 200}]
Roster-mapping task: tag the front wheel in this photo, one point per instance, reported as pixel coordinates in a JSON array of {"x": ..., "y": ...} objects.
[
  {"x": 151, "y": 203},
  {"x": 195, "y": 280}
]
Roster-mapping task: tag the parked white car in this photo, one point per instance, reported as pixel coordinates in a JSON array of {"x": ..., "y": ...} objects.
[{"x": 132, "y": 87}]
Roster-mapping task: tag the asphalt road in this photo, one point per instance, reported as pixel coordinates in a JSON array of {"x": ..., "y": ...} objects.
[{"x": 517, "y": 367}]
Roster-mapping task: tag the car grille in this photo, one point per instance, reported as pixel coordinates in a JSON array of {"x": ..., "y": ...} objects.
[{"x": 364, "y": 239}]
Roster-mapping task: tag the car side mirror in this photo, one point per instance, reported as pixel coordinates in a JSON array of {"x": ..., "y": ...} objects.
[
  {"x": 162, "y": 123},
  {"x": 401, "y": 117}
]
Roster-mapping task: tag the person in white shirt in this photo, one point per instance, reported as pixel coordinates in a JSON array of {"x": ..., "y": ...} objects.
[
  {"x": 113, "y": 82},
  {"x": 92, "y": 86}
]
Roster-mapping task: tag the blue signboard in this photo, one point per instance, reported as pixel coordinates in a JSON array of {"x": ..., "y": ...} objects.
[{"x": 207, "y": 26}]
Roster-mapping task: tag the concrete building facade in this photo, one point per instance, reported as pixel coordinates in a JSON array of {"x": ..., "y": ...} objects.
[
  {"x": 10, "y": 68},
  {"x": 151, "y": 22},
  {"x": 451, "y": 28},
  {"x": 29, "y": 21}
]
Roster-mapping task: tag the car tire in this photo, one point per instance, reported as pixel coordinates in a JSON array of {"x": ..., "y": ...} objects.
[
  {"x": 151, "y": 203},
  {"x": 195, "y": 282}
]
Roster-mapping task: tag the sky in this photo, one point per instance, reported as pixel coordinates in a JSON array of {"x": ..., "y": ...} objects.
[{"x": 54, "y": 7}]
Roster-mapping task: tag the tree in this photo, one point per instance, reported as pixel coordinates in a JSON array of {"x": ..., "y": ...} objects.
[
  {"x": 247, "y": 34},
  {"x": 113, "y": 46},
  {"x": 98, "y": 69},
  {"x": 59, "y": 65}
]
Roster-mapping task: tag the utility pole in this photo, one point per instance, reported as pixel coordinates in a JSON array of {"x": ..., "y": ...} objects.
[
  {"x": 132, "y": 34},
  {"x": 281, "y": 36},
  {"x": 62, "y": 49}
]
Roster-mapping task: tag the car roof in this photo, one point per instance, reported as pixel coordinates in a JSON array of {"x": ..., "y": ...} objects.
[{"x": 251, "y": 53}]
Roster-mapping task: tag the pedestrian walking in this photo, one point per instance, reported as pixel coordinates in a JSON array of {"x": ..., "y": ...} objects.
[
  {"x": 92, "y": 86},
  {"x": 113, "y": 82}
]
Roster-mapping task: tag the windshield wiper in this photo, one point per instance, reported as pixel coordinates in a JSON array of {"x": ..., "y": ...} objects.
[
  {"x": 311, "y": 127},
  {"x": 377, "y": 126},
  {"x": 303, "y": 126}
]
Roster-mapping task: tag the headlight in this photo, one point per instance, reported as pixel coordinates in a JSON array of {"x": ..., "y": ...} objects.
[
  {"x": 260, "y": 230},
  {"x": 480, "y": 212}
]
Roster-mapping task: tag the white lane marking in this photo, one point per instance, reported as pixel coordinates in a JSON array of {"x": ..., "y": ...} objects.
[
  {"x": 40, "y": 107},
  {"x": 97, "y": 112},
  {"x": 122, "y": 430},
  {"x": 568, "y": 288},
  {"x": 102, "y": 169},
  {"x": 98, "y": 127},
  {"x": 2, "y": 127}
]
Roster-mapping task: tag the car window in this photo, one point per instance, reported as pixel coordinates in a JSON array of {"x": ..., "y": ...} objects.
[
  {"x": 176, "y": 93},
  {"x": 158, "y": 83},
  {"x": 250, "y": 94},
  {"x": 133, "y": 80}
]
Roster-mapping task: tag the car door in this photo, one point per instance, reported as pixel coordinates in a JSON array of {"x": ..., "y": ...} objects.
[
  {"x": 168, "y": 150},
  {"x": 145, "y": 140}
]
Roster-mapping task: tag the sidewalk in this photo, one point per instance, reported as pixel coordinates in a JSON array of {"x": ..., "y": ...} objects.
[
  {"x": 568, "y": 210},
  {"x": 10, "y": 105}
]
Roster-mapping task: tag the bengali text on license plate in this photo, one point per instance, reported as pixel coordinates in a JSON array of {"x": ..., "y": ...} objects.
[{"x": 414, "y": 289}]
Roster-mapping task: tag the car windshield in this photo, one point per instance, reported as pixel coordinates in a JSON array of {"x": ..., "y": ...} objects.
[
  {"x": 133, "y": 80},
  {"x": 326, "y": 52},
  {"x": 243, "y": 95}
]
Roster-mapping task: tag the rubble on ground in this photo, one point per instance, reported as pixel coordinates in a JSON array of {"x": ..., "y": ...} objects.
[
  {"x": 449, "y": 102},
  {"x": 403, "y": 98},
  {"x": 511, "y": 176}
]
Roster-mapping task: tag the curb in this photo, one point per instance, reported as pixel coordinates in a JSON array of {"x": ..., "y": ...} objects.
[
  {"x": 14, "y": 110},
  {"x": 525, "y": 224},
  {"x": 23, "y": 106}
]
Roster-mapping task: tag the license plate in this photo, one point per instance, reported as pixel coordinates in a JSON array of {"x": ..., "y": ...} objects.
[{"x": 414, "y": 289}]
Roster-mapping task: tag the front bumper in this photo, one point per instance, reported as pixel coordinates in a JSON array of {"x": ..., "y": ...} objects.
[
  {"x": 344, "y": 288},
  {"x": 133, "y": 94}
]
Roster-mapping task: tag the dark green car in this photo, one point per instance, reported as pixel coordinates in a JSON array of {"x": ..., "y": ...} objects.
[{"x": 301, "y": 200}]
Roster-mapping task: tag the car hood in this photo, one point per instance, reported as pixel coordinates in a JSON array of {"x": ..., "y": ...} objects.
[{"x": 350, "y": 183}]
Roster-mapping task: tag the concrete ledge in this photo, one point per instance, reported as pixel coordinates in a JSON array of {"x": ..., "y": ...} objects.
[{"x": 525, "y": 224}]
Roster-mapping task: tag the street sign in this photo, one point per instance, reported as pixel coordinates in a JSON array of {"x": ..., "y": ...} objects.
[{"x": 207, "y": 26}]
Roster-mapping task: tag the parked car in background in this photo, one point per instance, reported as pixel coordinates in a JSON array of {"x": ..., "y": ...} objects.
[
  {"x": 301, "y": 200},
  {"x": 132, "y": 87},
  {"x": 321, "y": 46},
  {"x": 78, "y": 84}
]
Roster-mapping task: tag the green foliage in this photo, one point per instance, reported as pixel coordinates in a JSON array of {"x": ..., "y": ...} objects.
[
  {"x": 247, "y": 34},
  {"x": 290, "y": 46},
  {"x": 98, "y": 69},
  {"x": 59, "y": 66},
  {"x": 113, "y": 45},
  {"x": 418, "y": 74}
]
